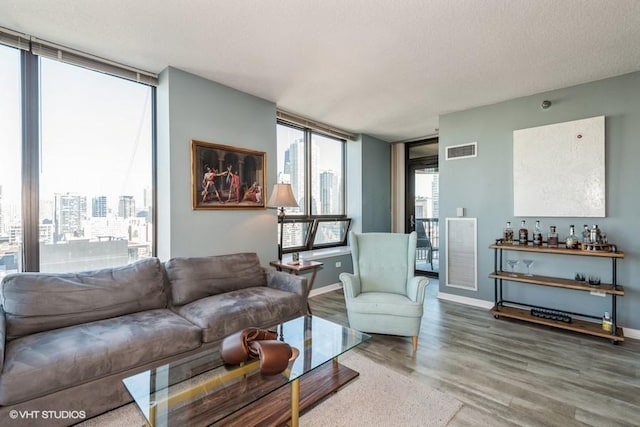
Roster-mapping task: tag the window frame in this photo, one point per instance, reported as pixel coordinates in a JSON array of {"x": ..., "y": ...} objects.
[
  {"x": 306, "y": 216},
  {"x": 314, "y": 224},
  {"x": 31, "y": 117}
]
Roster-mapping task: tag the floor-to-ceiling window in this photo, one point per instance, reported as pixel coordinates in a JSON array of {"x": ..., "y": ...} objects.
[
  {"x": 10, "y": 146},
  {"x": 95, "y": 169},
  {"x": 77, "y": 165}
]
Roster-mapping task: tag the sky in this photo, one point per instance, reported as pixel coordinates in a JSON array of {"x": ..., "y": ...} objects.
[
  {"x": 329, "y": 156},
  {"x": 95, "y": 132}
]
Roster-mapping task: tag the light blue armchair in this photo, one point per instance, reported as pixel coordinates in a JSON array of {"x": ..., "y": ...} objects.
[{"x": 383, "y": 295}]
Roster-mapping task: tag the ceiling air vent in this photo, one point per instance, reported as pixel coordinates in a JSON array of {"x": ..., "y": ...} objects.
[{"x": 462, "y": 151}]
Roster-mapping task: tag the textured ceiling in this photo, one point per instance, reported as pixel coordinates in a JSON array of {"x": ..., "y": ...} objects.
[{"x": 387, "y": 68}]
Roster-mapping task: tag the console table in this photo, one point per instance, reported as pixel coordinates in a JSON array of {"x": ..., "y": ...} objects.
[{"x": 512, "y": 309}]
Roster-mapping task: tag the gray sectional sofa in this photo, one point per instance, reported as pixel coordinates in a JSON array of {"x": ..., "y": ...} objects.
[{"x": 68, "y": 340}]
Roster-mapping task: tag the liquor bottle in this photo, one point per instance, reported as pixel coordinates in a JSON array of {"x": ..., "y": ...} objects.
[
  {"x": 572, "y": 239},
  {"x": 507, "y": 234},
  {"x": 552, "y": 239},
  {"x": 594, "y": 235},
  {"x": 537, "y": 235},
  {"x": 586, "y": 234},
  {"x": 523, "y": 234},
  {"x": 607, "y": 324}
]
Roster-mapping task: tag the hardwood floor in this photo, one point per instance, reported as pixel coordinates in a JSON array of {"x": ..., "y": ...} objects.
[{"x": 509, "y": 373}]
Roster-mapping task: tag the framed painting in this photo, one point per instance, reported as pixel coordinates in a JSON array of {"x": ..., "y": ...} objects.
[{"x": 225, "y": 177}]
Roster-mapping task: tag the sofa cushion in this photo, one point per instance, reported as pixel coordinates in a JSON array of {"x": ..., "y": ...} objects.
[
  {"x": 223, "y": 314},
  {"x": 49, "y": 361},
  {"x": 36, "y": 302},
  {"x": 199, "y": 277}
]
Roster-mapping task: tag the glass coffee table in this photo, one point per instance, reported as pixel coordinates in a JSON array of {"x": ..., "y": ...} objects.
[{"x": 199, "y": 390}]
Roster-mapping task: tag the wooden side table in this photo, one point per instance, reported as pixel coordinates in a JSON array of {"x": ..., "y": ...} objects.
[{"x": 297, "y": 268}]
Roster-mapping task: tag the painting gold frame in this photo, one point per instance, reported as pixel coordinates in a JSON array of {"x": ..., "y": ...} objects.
[{"x": 226, "y": 177}]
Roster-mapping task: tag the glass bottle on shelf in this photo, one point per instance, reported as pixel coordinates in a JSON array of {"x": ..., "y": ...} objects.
[
  {"x": 507, "y": 234},
  {"x": 594, "y": 236},
  {"x": 586, "y": 234},
  {"x": 572, "y": 240},
  {"x": 523, "y": 234},
  {"x": 552, "y": 239},
  {"x": 537, "y": 235},
  {"x": 607, "y": 324}
]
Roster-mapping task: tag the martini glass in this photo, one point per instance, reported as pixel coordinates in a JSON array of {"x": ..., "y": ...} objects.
[
  {"x": 512, "y": 263},
  {"x": 527, "y": 263}
]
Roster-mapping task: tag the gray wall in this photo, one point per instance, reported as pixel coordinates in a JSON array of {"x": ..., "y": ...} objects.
[
  {"x": 328, "y": 274},
  {"x": 484, "y": 187},
  {"x": 376, "y": 185},
  {"x": 369, "y": 184},
  {"x": 190, "y": 107}
]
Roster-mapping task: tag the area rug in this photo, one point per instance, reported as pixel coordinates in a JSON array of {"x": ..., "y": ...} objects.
[
  {"x": 378, "y": 397},
  {"x": 382, "y": 397}
]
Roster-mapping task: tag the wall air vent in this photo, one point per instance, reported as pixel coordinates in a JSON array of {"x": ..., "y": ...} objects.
[{"x": 462, "y": 151}]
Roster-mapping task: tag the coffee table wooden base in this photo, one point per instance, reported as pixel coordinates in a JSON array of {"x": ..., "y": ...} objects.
[{"x": 275, "y": 408}]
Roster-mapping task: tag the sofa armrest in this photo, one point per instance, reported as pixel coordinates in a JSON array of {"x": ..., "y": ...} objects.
[
  {"x": 287, "y": 282},
  {"x": 3, "y": 334},
  {"x": 415, "y": 288},
  {"x": 350, "y": 284}
]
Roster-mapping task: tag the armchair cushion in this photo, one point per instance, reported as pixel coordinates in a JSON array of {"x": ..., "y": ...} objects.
[{"x": 385, "y": 303}]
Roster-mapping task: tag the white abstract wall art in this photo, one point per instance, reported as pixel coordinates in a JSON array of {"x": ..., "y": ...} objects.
[{"x": 559, "y": 170}]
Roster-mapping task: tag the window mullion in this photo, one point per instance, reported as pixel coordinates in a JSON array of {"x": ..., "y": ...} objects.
[{"x": 308, "y": 171}]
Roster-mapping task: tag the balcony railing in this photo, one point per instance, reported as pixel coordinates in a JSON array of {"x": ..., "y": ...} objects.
[{"x": 432, "y": 229}]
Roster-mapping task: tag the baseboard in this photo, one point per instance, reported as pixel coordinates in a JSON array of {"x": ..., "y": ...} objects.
[
  {"x": 475, "y": 302},
  {"x": 325, "y": 289},
  {"x": 628, "y": 332},
  {"x": 631, "y": 333}
]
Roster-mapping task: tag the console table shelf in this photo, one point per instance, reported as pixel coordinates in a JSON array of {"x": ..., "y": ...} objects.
[
  {"x": 576, "y": 325},
  {"x": 557, "y": 251},
  {"x": 520, "y": 310},
  {"x": 605, "y": 288}
]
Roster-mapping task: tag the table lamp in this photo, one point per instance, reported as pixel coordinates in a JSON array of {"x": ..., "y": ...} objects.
[{"x": 282, "y": 197}]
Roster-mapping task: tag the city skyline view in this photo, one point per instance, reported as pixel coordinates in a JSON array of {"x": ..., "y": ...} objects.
[{"x": 95, "y": 142}]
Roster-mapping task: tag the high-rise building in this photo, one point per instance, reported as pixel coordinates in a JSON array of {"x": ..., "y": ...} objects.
[
  {"x": 2, "y": 225},
  {"x": 70, "y": 211},
  {"x": 327, "y": 190},
  {"x": 126, "y": 207},
  {"x": 294, "y": 167},
  {"x": 435, "y": 191},
  {"x": 315, "y": 178},
  {"x": 99, "y": 207},
  {"x": 148, "y": 198}
]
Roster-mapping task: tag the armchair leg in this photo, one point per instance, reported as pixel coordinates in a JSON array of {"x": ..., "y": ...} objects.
[{"x": 415, "y": 343}]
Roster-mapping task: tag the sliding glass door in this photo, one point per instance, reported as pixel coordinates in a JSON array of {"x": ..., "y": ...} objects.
[{"x": 423, "y": 203}]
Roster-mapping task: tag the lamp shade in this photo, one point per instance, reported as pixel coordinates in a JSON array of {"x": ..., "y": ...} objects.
[{"x": 282, "y": 196}]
